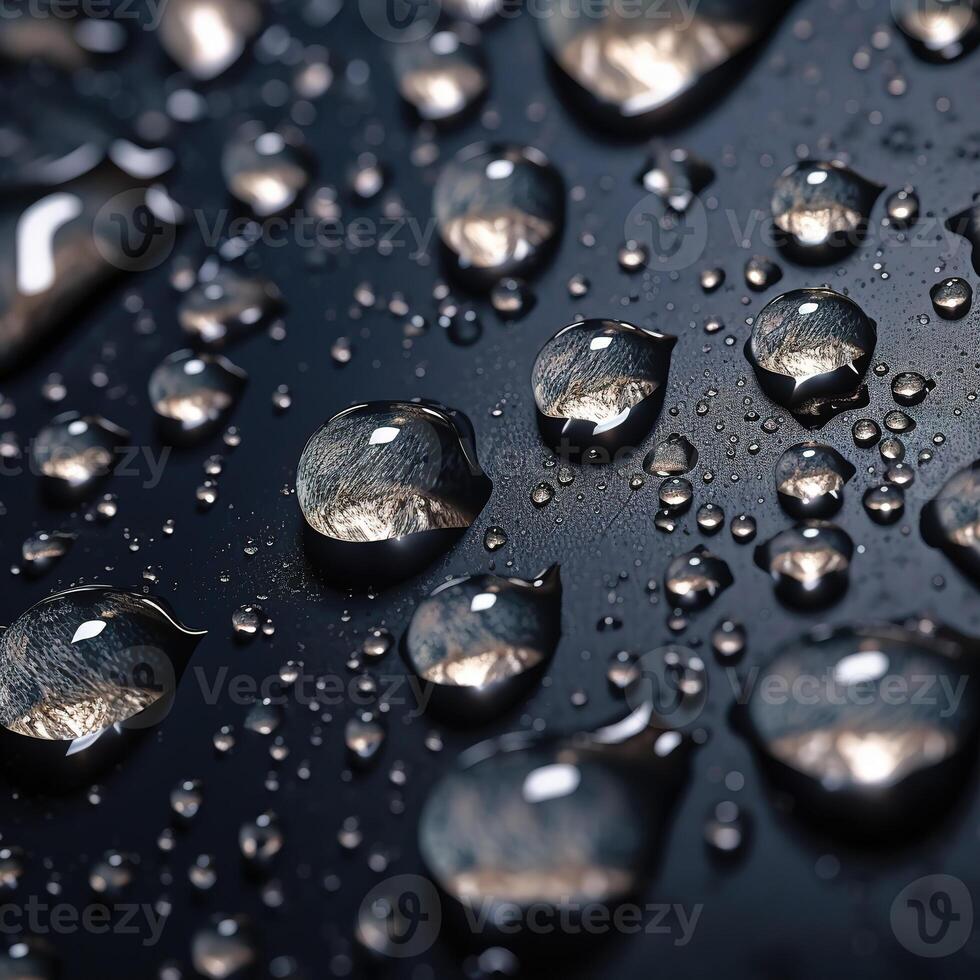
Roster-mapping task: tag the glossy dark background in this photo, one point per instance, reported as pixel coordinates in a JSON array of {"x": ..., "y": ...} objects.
[{"x": 770, "y": 915}]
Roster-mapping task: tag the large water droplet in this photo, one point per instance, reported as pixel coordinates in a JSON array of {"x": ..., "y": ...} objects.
[
  {"x": 599, "y": 386},
  {"x": 483, "y": 641},
  {"x": 810, "y": 480},
  {"x": 227, "y": 307},
  {"x": 266, "y": 170},
  {"x": 637, "y": 71},
  {"x": 499, "y": 211},
  {"x": 810, "y": 349},
  {"x": 192, "y": 394},
  {"x": 206, "y": 37},
  {"x": 808, "y": 563},
  {"x": 864, "y": 724},
  {"x": 385, "y": 487},
  {"x": 938, "y": 30},
  {"x": 821, "y": 210},
  {"x": 73, "y": 452},
  {"x": 442, "y": 76},
  {"x": 951, "y": 520},
  {"x": 80, "y": 666}
]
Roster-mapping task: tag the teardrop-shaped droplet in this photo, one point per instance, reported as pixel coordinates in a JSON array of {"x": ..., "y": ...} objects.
[
  {"x": 951, "y": 520},
  {"x": 676, "y": 176},
  {"x": 809, "y": 563},
  {"x": 499, "y": 210},
  {"x": 675, "y": 456},
  {"x": 810, "y": 480},
  {"x": 74, "y": 452},
  {"x": 227, "y": 307},
  {"x": 952, "y": 298},
  {"x": 599, "y": 386},
  {"x": 385, "y": 487},
  {"x": 635, "y": 68},
  {"x": 443, "y": 75},
  {"x": 192, "y": 394},
  {"x": 81, "y": 664},
  {"x": 484, "y": 641},
  {"x": 938, "y": 30},
  {"x": 206, "y": 37},
  {"x": 694, "y": 580},
  {"x": 866, "y": 725},
  {"x": 810, "y": 349},
  {"x": 266, "y": 170},
  {"x": 821, "y": 210},
  {"x": 562, "y": 825}
]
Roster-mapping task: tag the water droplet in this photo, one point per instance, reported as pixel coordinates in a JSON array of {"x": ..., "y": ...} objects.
[
  {"x": 761, "y": 273},
  {"x": 676, "y": 495},
  {"x": 206, "y": 37},
  {"x": 711, "y": 279},
  {"x": 499, "y": 211},
  {"x": 192, "y": 394},
  {"x": 443, "y": 75},
  {"x": 677, "y": 176},
  {"x": 866, "y": 433},
  {"x": 635, "y": 72},
  {"x": 694, "y": 580},
  {"x": 494, "y": 538},
  {"x": 810, "y": 480},
  {"x": 821, "y": 210},
  {"x": 892, "y": 449},
  {"x": 260, "y": 840},
  {"x": 728, "y": 641},
  {"x": 632, "y": 255},
  {"x": 952, "y": 298},
  {"x": 910, "y": 388},
  {"x": 884, "y": 504},
  {"x": 743, "y": 528},
  {"x": 710, "y": 518},
  {"x": 385, "y": 487},
  {"x": 223, "y": 950},
  {"x": 896, "y": 421},
  {"x": 938, "y": 30},
  {"x": 41, "y": 551},
  {"x": 810, "y": 349},
  {"x": 599, "y": 386},
  {"x": 484, "y": 641},
  {"x": 74, "y": 452},
  {"x": 951, "y": 520},
  {"x": 364, "y": 734},
  {"x": 227, "y": 307},
  {"x": 623, "y": 670},
  {"x": 187, "y": 798},
  {"x": 675, "y": 456},
  {"x": 902, "y": 208},
  {"x": 265, "y": 170},
  {"x": 726, "y": 830},
  {"x": 809, "y": 563}
]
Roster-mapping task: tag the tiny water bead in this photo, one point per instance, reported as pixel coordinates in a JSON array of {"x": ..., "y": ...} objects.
[
  {"x": 808, "y": 563},
  {"x": 902, "y": 208},
  {"x": 951, "y": 520},
  {"x": 821, "y": 209},
  {"x": 192, "y": 394},
  {"x": 227, "y": 307},
  {"x": 940, "y": 31},
  {"x": 677, "y": 176},
  {"x": 73, "y": 453},
  {"x": 810, "y": 480},
  {"x": 884, "y": 504},
  {"x": 499, "y": 210},
  {"x": 810, "y": 349},
  {"x": 599, "y": 386},
  {"x": 858, "y": 743},
  {"x": 952, "y": 298},
  {"x": 385, "y": 487},
  {"x": 265, "y": 170},
  {"x": 711, "y": 279},
  {"x": 494, "y": 538},
  {"x": 675, "y": 456},
  {"x": 512, "y": 298},
  {"x": 484, "y": 641},
  {"x": 441, "y": 76},
  {"x": 696, "y": 579},
  {"x": 761, "y": 273}
]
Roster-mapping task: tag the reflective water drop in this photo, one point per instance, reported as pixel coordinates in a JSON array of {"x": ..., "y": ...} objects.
[
  {"x": 761, "y": 273},
  {"x": 952, "y": 298},
  {"x": 710, "y": 518},
  {"x": 74, "y": 452},
  {"x": 902, "y": 208},
  {"x": 743, "y": 528},
  {"x": 808, "y": 563},
  {"x": 810, "y": 480},
  {"x": 494, "y": 538},
  {"x": 677, "y": 176},
  {"x": 694, "y": 580},
  {"x": 676, "y": 494},
  {"x": 260, "y": 840},
  {"x": 840, "y": 720},
  {"x": 896, "y": 421},
  {"x": 265, "y": 170},
  {"x": 810, "y": 349},
  {"x": 726, "y": 830},
  {"x": 821, "y": 210},
  {"x": 892, "y": 449},
  {"x": 364, "y": 734},
  {"x": 866, "y": 433},
  {"x": 443, "y": 75},
  {"x": 632, "y": 255},
  {"x": 499, "y": 210},
  {"x": 227, "y": 307},
  {"x": 623, "y": 670},
  {"x": 512, "y": 298},
  {"x": 675, "y": 456},
  {"x": 910, "y": 388},
  {"x": 41, "y": 551},
  {"x": 82, "y": 665},
  {"x": 385, "y": 487},
  {"x": 599, "y": 385},
  {"x": 542, "y": 495},
  {"x": 951, "y": 520},
  {"x": 938, "y": 30},
  {"x": 484, "y": 641},
  {"x": 206, "y": 37},
  {"x": 712, "y": 279},
  {"x": 224, "y": 950},
  {"x": 186, "y": 798},
  {"x": 635, "y": 72},
  {"x": 728, "y": 641},
  {"x": 884, "y": 504},
  {"x": 192, "y": 394}
]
